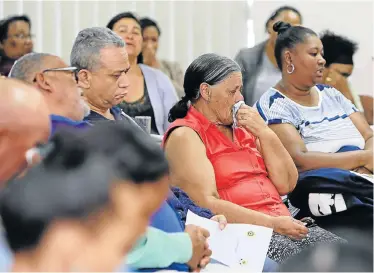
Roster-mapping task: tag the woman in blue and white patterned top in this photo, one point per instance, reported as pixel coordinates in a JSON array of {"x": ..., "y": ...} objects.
[{"x": 323, "y": 131}]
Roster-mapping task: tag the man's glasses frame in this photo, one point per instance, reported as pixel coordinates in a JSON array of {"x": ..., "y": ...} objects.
[{"x": 69, "y": 68}]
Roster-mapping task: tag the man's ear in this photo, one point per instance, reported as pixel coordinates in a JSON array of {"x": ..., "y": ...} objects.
[
  {"x": 43, "y": 82},
  {"x": 84, "y": 79},
  {"x": 205, "y": 91}
]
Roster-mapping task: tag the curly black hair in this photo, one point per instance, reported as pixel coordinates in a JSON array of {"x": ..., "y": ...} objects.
[{"x": 337, "y": 49}]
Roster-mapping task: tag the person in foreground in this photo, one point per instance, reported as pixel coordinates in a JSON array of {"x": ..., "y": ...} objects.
[
  {"x": 21, "y": 131},
  {"x": 181, "y": 250},
  {"x": 96, "y": 206},
  {"x": 24, "y": 123},
  {"x": 329, "y": 140},
  {"x": 57, "y": 83},
  {"x": 239, "y": 171}
]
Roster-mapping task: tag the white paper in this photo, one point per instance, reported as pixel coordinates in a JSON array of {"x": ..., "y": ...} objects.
[
  {"x": 368, "y": 177},
  {"x": 238, "y": 246}
]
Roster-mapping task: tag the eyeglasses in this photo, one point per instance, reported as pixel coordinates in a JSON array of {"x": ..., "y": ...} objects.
[
  {"x": 63, "y": 69},
  {"x": 70, "y": 68},
  {"x": 22, "y": 36}
]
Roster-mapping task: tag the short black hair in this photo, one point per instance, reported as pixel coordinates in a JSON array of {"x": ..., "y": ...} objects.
[
  {"x": 288, "y": 37},
  {"x": 147, "y": 22},
  {"x": 74, "y": 178},
  {"x": 278, "y": 11},
  {"x": 71, "y": 186},
  {"x": 120, "y": 16},
  {"x": 4, "y": 24},
  {"x": 337, "y": 49},
  {"x": 130, "y": 150}
]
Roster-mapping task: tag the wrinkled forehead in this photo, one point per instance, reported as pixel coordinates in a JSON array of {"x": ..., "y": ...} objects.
[
  {"x": 233, "y": 80},
  {"x": 18, "y": 26},
  {"x": 126, "y": 23},
  {"x": 114, "y": 58},
  {"x": 53, "y": 62}
]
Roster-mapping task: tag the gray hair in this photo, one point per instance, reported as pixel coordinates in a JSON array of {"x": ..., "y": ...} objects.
[
  {"x": 28, "y": 65},
  {"x": 85, "y": 53},
  {"x": 209, "y": 68}
]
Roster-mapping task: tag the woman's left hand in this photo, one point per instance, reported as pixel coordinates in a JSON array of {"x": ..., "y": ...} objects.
[
  {"x": 221, "y": 219},
  {"x": 251, "y": 120}
]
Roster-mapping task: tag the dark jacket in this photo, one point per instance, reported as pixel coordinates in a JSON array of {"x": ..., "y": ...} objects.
[{"x": 250, "y": 61}]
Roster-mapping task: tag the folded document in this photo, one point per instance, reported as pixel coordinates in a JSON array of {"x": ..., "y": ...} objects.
[{"x": 238, "y": 246}]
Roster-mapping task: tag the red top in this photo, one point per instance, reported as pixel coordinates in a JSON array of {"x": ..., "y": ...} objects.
[{"x": 239, "y": 168}]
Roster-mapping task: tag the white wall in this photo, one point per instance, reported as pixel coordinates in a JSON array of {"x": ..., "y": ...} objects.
[
  {"x": 353, "y": 19},
  {"x": 189, "y": 28}
]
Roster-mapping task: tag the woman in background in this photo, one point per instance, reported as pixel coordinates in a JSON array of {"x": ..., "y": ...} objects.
[
  {"x": 258, "y": 64},
  {"x": 338, "y": 53},
  {"x": 151, "y": 35},
  {"x": 151, "y": 93},
  {"x": 327, "y": 137},
  {"x": 15, "y": 41}
]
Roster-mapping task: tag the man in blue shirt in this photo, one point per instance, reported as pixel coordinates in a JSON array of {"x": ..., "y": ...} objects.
[{"x": 57, "y": 82}]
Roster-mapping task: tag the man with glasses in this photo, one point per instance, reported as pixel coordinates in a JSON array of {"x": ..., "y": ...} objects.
[
  {"x": 58, "y": 84},
  {"x": 15, "y": 41}
]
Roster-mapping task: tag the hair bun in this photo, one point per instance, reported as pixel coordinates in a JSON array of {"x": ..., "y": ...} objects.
[{"x": 281, "y": 27}]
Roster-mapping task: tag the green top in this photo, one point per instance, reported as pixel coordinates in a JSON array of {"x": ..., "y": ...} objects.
[{"x": 176, "y": 248}]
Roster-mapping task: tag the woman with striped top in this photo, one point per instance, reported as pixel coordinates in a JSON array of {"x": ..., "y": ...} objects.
[{"x": 329, "y": 140}]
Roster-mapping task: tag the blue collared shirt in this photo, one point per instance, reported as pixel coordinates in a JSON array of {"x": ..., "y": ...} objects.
[
  {"x": 94, "y": 117},
  {"x": 58, "y": 122}
]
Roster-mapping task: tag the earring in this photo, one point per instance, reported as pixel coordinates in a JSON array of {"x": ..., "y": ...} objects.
[{"x": 292, "y": 69}]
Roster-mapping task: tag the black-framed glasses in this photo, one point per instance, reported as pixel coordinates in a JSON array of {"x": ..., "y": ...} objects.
[{"x": 72, "y": 69}]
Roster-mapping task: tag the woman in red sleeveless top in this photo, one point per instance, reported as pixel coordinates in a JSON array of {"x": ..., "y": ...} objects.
[{"x": 239, "y": 171}]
